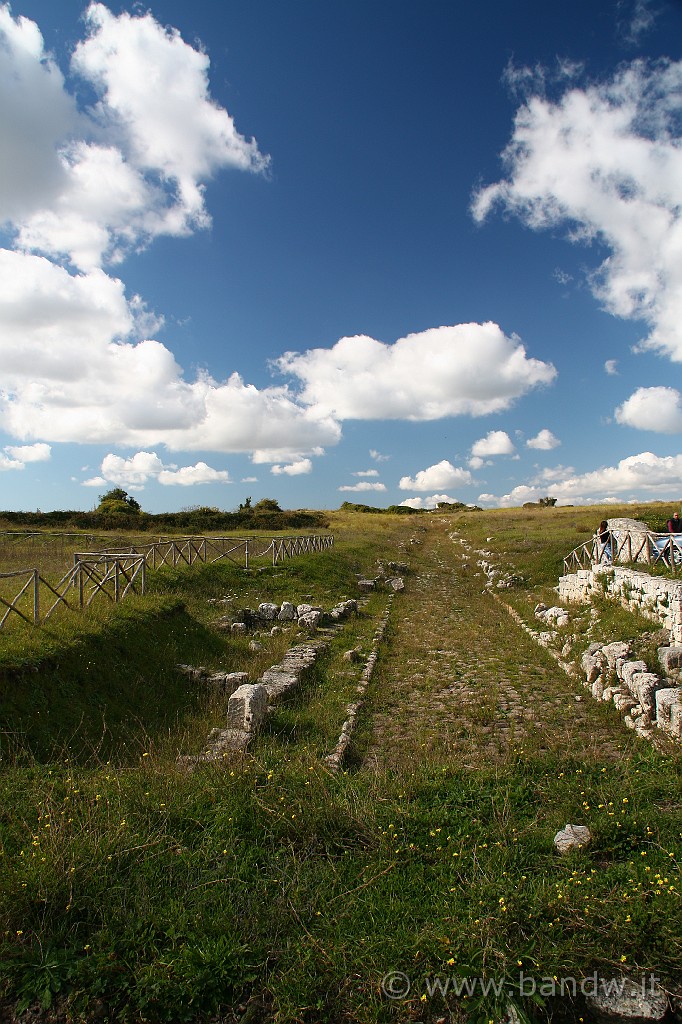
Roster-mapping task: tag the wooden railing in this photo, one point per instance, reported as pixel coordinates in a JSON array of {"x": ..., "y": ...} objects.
[
  {"x": 112, "y": 576},
  {"x": 241, "y": 551},
  {"x": 115, "y": 574},
  {"x": 626, "y": 546}
]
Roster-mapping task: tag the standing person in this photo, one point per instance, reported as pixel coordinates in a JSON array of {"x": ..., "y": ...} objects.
[
  {"x": 675, "y": 523},
  {"x": 604, "y": 537}
]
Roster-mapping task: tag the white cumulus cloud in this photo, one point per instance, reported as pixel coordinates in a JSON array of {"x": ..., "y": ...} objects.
[
  {"x": 133, "y": 473},
  {"x": 496, "y": 442},
  {"x": 91, "y": 185},
  {"x": 297, "y": 468},
  {"x": 427, "y": 503},
  {"x": 658, "y": 409},
  {"x": 443, "y": 474},
  {"x": 544, "y": 441},
  {"x": 467, "y": 369},
  {"x": 638, "y": 477},
  {"x": 606, "y": 161},
  {"x": 364, "y": 485}
]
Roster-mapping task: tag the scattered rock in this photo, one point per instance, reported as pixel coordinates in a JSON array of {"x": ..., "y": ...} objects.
[
  {"x": 623, "y": 1001},
  {"x": 572, "y": 837}
]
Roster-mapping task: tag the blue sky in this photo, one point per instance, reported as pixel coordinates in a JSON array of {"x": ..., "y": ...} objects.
[{"x": 380, "y": 251}]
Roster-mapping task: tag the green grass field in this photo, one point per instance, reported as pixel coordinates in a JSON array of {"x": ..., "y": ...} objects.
[{"x": 269, "y": 889}]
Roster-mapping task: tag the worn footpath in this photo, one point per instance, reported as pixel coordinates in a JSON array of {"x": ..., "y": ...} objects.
[{"x": 461, "y": 680}]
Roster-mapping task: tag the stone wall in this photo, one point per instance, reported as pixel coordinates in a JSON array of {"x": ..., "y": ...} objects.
[{"x": 657, "y": 598}]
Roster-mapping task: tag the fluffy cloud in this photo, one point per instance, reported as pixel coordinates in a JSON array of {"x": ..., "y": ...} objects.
[
  {"x": 30, "y": 452},
  {"x": 188, "y": 476},
  {"x": 135, "y": 472},
  {"x": 427, "y": 503},
  {"x": 496, "y": 442},
  {"x": 544, "y": 441},
  {"x": 70, "y": 373},
  {"x": 658, "y": 409},
  {"x": 364, "y": 485},
  {"x": 468, "y": 369},
  {"x": 443, "y": 474},
  {"x": 606, "y": 160},
  {"x": 366, "y": 472},
  {"x": 297, "y": 468},
  {"x": 637, "y": 477},
  {"x": 91, "y": 185},
  {"x": 16, "y": 457},
  {"x": 611, "y": 367}
]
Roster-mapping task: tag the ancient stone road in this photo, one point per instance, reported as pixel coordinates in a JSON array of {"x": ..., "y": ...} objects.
[{"x": 459, "y": 679}]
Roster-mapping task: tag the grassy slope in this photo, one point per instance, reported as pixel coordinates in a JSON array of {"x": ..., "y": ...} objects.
[{"x": 144, "y": 894}]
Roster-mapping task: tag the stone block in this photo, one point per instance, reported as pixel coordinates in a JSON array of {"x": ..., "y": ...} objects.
[
  {"x": 268, "y": 611},
  {"x": 228, "y": 682},
  {"x": 665, "y": 699},
  {"x": 631, "y": 668},
  {"x": 643, "y": 686},
  {"x": 676, "y": 720},
  {"x": 591, "y": 665},
  {"x": 670, "y": 658},
  {"x": 615, "y": 650},
  {"x": 287, "y": 612},
  {"x": 626, "y": 1001},
  {"x": 247, "y": 707},
  {"x": 310, "y": 620}
]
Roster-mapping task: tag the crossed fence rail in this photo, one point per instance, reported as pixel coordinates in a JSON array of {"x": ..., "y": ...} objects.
[
  {"x": 627, "y": 546},
  {"x": 112, "y": 575}
]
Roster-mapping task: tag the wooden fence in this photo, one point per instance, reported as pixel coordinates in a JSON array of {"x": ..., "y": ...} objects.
[
  {"x": 113, "y": 575},
  {"x": 241, "y": 551},
  {"x": 110, "y": 576},
  {"x": 647, "y": 548}
]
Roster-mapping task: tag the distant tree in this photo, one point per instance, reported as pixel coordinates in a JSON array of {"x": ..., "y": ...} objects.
[
  {"x": 246, "y": 506},
  {"x": 117, "y": 502},
  {"x": 547, "y": 502},
  {"x": 266, "y": 505}
]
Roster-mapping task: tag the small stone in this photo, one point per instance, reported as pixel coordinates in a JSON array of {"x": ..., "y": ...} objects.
[{"x": 572, "y": 837}]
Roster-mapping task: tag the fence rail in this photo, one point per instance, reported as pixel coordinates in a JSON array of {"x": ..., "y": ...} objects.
[
  {"x": 627, "y": 546},
  {"x": 112, "y": 575}
]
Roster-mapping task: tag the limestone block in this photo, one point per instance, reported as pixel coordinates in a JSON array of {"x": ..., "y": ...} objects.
[
  {"x": 268, "y": 611},
  {"x": 670, "y": 658},
  {"x": 238, "y": 627},
  {"x": 287, "y": 612},
  {"x": 676, "y": 720},
  {"x": 631, "y": 668},
  {"x": 623, "y": 701},
  {"x": 396, "y": 583},
  {"x": 365, "y": 585},
  {"x": 626, "y": 1001},
  {"x": 643, "y": 686},
  {"x": 613, "y": 651},
  {"x": 303, "y": 609},
  {"x": 598, "y": 688},
  {"x": 665, "y": 698},
  {"x": 228, "y": 682},
  {"x": 572, "y": 837},
  {"x": 591, "y": 665},
  {"x": 310, "y": 620},
  {"x": 247, "y": 707}
]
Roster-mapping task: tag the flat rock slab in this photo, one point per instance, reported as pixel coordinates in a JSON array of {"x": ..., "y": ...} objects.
[{"x": 623, "y": 1001}]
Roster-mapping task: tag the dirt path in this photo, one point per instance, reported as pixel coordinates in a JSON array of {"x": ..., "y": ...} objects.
[{"x": 461, "y": 680}]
